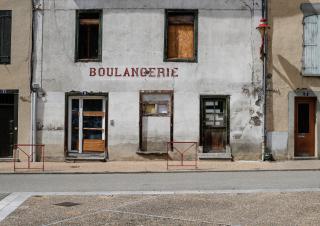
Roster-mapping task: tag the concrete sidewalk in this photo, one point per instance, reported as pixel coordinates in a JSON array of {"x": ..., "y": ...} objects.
[{"x": 160, "y": 166}]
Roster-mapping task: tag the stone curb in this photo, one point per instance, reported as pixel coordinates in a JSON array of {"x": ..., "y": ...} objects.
[{"x": 155, "y": 172}]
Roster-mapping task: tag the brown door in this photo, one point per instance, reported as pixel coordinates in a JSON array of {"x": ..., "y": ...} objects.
[
  {"x": 213, "y": 124},
  {"x": 304, "y": 127}
]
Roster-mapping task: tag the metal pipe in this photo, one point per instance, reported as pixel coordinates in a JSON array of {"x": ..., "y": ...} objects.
[
  {"x": 34, "y": 124},
  {"x": 265, "y": 71}
]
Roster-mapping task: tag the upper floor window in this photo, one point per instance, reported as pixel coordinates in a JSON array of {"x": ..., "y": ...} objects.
[
  {"x": 89, "y": 35},
  {"x": 181, "y": 35},
  {"x": 311, "y": 46},
  {"x": 5, "y": 36}
]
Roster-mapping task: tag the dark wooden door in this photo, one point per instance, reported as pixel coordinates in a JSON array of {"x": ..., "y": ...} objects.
[
  {"x": 213, "y": 124},
  {"x": 304, "y": 127},
  {"x": 6, "y": 125}
]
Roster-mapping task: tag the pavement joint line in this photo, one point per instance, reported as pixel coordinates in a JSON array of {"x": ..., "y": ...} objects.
[
  {"x": 96, "y": 211},
  {"x": 11, "y": 203},
  {"x": 127, "y": 212}
]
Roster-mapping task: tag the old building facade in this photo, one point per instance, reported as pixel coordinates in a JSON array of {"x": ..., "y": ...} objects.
[
  {"x": 15, "y": 74},
  {"x": 118, "y": 79},
  {"x": 293, "y": 83}
]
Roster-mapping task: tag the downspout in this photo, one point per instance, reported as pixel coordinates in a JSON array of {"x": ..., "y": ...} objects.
[
  {"x": 35, "y": 87},
  {"x": 264, "y": 75},
  {"x": 33, "y": 93}
]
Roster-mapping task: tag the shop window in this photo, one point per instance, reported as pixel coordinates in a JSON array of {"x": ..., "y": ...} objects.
[
  {"x": 181, "y": 35},
  {"x": 156, "y": 104},
  {"x": 89, "y": 35},
  {"x": 5, "y": 36}
]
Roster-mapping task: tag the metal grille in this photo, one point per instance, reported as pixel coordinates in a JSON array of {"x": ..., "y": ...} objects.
[
  {"x": 6, "y": 99},
  {"x": 67, "y": 204}
]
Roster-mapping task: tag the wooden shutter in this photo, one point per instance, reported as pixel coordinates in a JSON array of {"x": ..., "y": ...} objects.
[
  {"x": 180, "y": 37},
  {"x": 311, "y": 51},
  {"x": 5, "y": 36}
]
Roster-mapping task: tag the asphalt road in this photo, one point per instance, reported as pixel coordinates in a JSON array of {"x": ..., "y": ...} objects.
[{"x": 198, "y": 181}]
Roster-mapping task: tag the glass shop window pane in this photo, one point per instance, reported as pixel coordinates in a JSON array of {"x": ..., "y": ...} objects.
[
  {"x": 303, "y": 118},
  {"x": 75, "y": 125},
  {"x": 163, "y": 108},
  {"x": 92, "y": 105},
  {"x": 150, "y": 109},
  {"x": 92, "y": 134},
  {"x": 92, "y": 122}
]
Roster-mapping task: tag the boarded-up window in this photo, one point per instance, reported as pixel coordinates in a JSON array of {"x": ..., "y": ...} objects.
[
  {"x": 89, "y": 35},
  {"x": 311, "y": 50},
  {"x": 181, "y": 36},
  {"x": 5, "y": 36}
]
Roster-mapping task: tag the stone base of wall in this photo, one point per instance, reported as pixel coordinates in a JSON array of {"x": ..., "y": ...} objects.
[
  {"x": 245, "y": 151},
  {"x": 277, "y": 143}
]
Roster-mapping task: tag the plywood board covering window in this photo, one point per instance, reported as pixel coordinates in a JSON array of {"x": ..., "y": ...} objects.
[{"x": 181, "y": 36}]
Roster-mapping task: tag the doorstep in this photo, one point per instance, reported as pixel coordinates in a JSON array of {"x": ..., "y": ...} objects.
[
  {"x": 305, "y": 158},
  {"x": 85, "y": 157},
  {"x": 215, "y": 156},
  {"x": 6, "y": 159}
]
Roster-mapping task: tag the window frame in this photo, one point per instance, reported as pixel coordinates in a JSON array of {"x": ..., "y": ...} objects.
[
  {"x": 78, "y": 12},
  {"x": 195, "y": 33},
  {"x": 7, "y": 13}
]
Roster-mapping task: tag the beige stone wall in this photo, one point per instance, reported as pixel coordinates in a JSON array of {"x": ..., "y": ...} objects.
[
  {"x": 285, "y": 52},
  {"x": 17, "y": 74}
]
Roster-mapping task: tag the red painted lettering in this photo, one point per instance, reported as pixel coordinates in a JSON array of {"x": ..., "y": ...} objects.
[
  {"x": 102, "y": 71},
  {"x": 116, "y": 72},
  {"x": 174, "y": 72},
  {"x": 126, "y": 72},
  {"x": 160, "y": 72},
  {"x": 93, "y": 71},
  {"x": 152, "y": 72},
  {"x": 143, "y": 72},
  {"x": 109, "y": 71},
  {"x": 135, "y": 72}
]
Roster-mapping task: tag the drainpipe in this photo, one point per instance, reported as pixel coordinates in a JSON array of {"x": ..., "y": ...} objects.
[
  {"x": 33, "y": 93},
  {"x": 265, "y": 71},
  {"x": 34, "y": 86}
]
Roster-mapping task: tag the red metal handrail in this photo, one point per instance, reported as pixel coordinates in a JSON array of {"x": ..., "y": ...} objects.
[
  {"x": 170, "y": 146},
  {"x": 18, "y": 147}
]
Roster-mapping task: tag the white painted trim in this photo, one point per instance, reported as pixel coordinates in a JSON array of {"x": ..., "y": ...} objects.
[{"x": 80, "y": 136}]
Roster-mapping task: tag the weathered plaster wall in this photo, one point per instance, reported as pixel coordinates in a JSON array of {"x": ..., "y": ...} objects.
[
  {"x": 17, "y": 74},
  {"x": 133, "y": 35},
  {"x": 285, "y": 52}
]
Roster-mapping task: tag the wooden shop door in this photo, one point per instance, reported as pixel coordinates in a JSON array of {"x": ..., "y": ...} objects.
[{"x": 304, "y": 126}]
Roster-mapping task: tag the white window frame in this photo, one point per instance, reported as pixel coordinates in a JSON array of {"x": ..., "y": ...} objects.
[{"x": 81, "y": 98}]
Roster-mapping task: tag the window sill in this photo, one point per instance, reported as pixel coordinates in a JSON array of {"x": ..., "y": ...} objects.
[
  {"x": 88, "y": 61},
  {"x": 181, "y": 60}
]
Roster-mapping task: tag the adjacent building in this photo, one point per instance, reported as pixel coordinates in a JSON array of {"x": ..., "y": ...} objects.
[
  {"x": 117, "y": 80},
  {"x": 15, "y": 74},
  {"x": 293, "y": 79}
]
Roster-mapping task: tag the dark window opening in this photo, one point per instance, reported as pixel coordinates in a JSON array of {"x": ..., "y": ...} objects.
[
  {"x": 181, "y": 36},
  {"x": 89, "y": 35},
  {"x": 303, "y": 118},
  {"x": 5, "y": 36}
]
